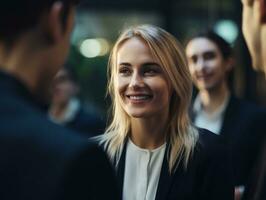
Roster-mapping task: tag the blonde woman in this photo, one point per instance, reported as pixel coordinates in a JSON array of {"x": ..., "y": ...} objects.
[{"x": 151, "y": 142}]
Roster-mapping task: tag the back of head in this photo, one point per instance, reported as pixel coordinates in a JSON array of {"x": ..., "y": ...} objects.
[{"x": 18, "y": 16}]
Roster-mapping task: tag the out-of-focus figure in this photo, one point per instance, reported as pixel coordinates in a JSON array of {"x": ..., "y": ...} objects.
[
  {"x": 41, "y": 160},
  {"x": 66, "y": 109},
  {"x": 210, "y": 62},
  {"x": 254, "y": 30},
  {"x": 216, "y": 108}
]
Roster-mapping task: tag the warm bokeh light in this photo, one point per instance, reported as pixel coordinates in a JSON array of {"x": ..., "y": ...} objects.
[{"x": 92, "y": 48}]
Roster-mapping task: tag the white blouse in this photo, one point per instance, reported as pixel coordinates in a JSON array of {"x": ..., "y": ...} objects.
[{"x": 142, "y": 172}]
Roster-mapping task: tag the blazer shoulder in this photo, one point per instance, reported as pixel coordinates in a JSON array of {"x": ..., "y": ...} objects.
[
  {"x": 246, "y": 106},
  {"x": 213, "y": 165}
]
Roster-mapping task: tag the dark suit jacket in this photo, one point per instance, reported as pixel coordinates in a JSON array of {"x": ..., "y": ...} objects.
[
  {"x": 256, "y": 187},
  {"x": 208, "y": 175},
  {"x": 43, "y": 161},
  {"x": 242, "y": 130}
]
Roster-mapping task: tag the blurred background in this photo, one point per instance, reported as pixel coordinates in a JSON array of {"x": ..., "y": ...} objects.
[{"x": 98, "y": 23}]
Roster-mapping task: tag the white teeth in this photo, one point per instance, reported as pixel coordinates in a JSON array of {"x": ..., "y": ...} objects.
[{"x": 139, "y": 97}]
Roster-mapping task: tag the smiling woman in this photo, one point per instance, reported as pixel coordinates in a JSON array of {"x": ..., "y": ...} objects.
[
  {"x": 142, "y": 85},
  {"x": 156, "y": 150}
]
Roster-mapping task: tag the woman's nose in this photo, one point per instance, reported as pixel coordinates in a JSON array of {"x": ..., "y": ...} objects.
[
  {"x": 199, "y": 65},
  {"x": 136, "y": 80}
]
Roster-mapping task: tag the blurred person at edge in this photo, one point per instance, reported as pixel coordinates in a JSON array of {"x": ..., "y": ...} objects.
[
  {"x": 66, "y": 108},
  {"x": 216, "y": 108},
  {"x": 157, "y": 152},
  {"x": 254, "y": 30},
  {"x": 39, "y": 159}
]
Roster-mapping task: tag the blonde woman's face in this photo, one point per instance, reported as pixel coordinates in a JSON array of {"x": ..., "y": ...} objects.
[{"x": 141, "y": 83}]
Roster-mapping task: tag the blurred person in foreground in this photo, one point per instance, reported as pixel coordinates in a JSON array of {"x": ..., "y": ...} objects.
[
  {"x": 157, "y": 152},
  {"x": 41, "y": 160},
  {"x": 215, "y": 107},
  {"x": 254, "y": 30},
  {"x": 67, "y": 110}
]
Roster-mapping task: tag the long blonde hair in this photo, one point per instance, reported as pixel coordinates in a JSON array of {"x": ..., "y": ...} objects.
[{"x": 182, "y": 136}]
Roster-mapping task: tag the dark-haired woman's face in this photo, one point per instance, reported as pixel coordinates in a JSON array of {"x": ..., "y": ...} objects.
[{"x": 206, "y": 64}]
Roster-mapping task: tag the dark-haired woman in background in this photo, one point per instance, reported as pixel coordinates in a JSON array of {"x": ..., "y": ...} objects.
[{"x": 215, "y": 107}]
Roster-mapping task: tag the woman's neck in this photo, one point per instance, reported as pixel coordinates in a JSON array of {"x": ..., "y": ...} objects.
[
  {"x": 213, "y": 99},
  {"x": 148, "y": 133}
]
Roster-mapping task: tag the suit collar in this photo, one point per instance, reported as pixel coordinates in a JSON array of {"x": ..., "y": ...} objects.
[
  {"x": 121, "y": 168},
  {"x": 229, "y": 114},
  {"x": 165, "y": 179}
]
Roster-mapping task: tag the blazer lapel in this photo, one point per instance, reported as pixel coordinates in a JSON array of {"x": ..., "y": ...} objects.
[
  {"x": 229, "y": 116},
  {"x": 165, "y": 179},
  {"x": 121, "y": 169}
]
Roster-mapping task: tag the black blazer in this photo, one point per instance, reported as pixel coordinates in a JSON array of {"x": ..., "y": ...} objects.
[
  {"x": 40, "y": 160},
  {"x": 256, "y": 187},
  {"x": 241, "y": 130},
  {"x": 208, "y": 175}
]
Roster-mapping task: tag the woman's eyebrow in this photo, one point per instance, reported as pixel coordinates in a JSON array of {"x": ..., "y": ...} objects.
[
  {"x": 151, "y": 64},
  {"x": 124, "y": 64},
  {"x": 209, "y": 51}
]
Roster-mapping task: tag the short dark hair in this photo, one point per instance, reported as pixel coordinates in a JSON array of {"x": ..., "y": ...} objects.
[
  {"x": 18, "y": 16},
  {"x": 221, "y": 43}
]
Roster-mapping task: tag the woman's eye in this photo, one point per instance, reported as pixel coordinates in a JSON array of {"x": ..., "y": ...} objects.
[
  {"x": 150, "y": 72},
  {"x": 209, "y": 55},
  {"x": 193, "y": 59},
  {"x": 124, "y": 71}
]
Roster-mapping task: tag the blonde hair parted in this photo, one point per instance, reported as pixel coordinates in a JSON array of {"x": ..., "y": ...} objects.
[{"x": 182, "y": 136}]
